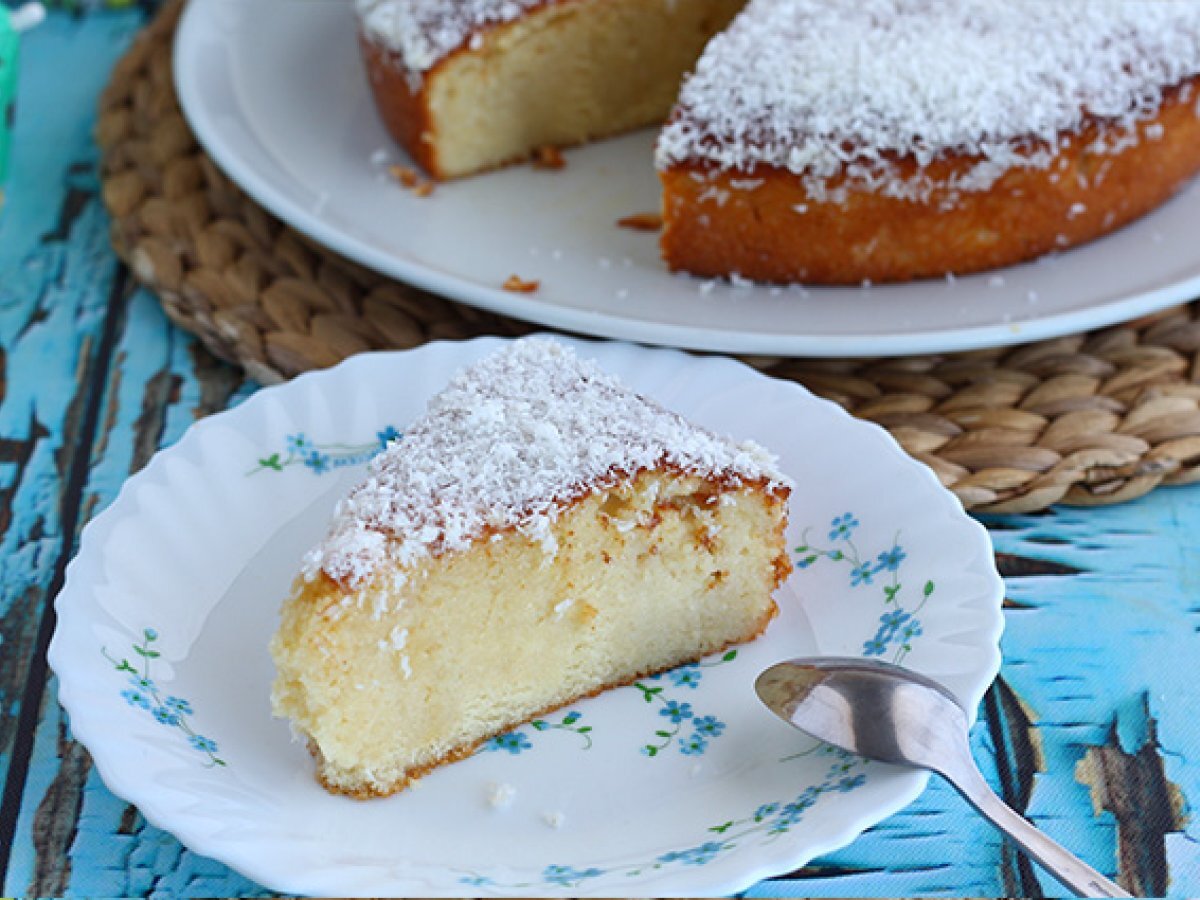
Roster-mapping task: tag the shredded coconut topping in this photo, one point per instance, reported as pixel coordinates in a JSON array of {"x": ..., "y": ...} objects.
[
  {"x": 836, "y": 91},
  {"x": 508, "y": 443},
  {"x": 500, "y": 795},
  {"x": 423, "y": 32}
]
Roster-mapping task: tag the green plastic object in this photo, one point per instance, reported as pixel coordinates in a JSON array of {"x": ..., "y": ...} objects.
[
  {"x": 88, "y": 4},
  {"x": 9, "y": 44},
  {"x": 12, "y": 23}
]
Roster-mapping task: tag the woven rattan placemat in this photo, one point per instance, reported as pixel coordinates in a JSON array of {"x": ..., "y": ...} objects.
[{"x": 1088, "y": 419}]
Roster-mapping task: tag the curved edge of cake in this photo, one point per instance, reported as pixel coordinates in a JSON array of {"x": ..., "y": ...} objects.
[{"x": 764, "y": 225}]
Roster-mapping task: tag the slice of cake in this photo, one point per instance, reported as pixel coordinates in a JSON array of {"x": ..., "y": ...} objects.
[{"x": 541, "y": 534}]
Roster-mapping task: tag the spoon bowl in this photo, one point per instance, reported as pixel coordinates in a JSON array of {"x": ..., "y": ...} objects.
[
  {"x": 889, "y": 714},
  {"x": 845, "y": 701}
]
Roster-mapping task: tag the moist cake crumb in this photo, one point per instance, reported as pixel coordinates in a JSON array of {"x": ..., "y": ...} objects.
[
  {"x": 518, "y": 285},
  {"x": 641, "y": 222}
]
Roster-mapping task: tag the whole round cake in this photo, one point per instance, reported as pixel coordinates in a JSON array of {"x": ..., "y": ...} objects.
[{"x": 817, "y": 140}]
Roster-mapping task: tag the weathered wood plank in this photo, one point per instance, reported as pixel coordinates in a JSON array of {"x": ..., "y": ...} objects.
[
  {"x": 1127, "y": 778},
  {"x": 1016, "y": 760},
  {"x": 56, "y": 278},
  {"x": 1079, "y": 649},
  {"x": 74, "y": 837},
  {"x": 1010, "y": 565},
  {"x": 1092, "y": 726}
]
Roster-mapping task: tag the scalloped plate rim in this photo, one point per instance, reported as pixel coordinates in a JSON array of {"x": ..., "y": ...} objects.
[{"x": 91, "y": 729}]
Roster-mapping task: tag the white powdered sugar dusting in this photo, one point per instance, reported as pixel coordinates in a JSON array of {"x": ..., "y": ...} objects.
[
  {"x": 837, "y": 91},
  {"x": 507, "y": 444},
  {"x": 424, "y": 32}
]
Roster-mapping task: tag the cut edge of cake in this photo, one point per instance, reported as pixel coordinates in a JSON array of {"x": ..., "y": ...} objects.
[{"x": 487, "y": 87}]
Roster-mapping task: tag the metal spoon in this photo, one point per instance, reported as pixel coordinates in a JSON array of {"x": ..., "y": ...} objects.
[{"x": 892, "y": 715}]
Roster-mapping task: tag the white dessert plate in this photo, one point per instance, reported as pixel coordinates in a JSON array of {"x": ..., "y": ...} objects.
[
  {"x": 275, "y": 91},
  {"x": 680, "y": 785}
]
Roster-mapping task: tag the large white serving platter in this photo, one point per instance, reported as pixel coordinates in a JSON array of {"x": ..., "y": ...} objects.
[{"x": 276, "y": 92}]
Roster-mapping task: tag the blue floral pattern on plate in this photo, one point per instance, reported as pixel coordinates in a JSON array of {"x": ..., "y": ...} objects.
[
  {"x": 144, "y": 692},
  {"x": 898, "y": 625},
  {"x": 518, "y": 741},
  {"x": 300, "y": 450},
  {"x": 679, "y": 713}
]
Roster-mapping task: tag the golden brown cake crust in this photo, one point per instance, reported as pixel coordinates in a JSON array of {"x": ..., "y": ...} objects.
[
  {"x": 718, "y": 223},
  {"x": 772, "y": 492},
  {"x": 403, "y": 107}
]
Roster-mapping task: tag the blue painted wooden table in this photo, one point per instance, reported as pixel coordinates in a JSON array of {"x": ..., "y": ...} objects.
[{"x": 1093, "y": 728}]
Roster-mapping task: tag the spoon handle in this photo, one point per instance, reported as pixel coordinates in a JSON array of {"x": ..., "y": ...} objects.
[{"x": 1076, "y": 875}]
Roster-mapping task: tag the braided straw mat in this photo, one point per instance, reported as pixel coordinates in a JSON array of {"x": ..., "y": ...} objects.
[{"x": 1088, "y": 419}]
